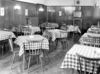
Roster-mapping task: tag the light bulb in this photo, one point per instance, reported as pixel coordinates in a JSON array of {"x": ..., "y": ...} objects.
[
  {"x": 17, "y": 7},
  {"x": 41, "y": 9}
]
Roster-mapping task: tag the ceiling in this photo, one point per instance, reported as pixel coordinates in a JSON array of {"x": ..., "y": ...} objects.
[{"x": 64, "y": 2}]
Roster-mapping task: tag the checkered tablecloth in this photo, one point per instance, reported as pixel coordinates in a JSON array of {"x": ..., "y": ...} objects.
[
  {"x": 57, "y": 33},
  {"x": 6, "y": 35},
  {"x": 71, "y": 59},
  {"x": 24, "y": 39}
]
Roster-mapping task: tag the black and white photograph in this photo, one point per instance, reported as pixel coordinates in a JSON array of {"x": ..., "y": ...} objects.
[{"x": 49, "y": 36}]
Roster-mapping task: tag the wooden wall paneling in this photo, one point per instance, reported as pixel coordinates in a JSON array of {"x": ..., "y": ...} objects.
[
  {"x": 1, "y": 17},
  {"x": 42, "y": 15}
]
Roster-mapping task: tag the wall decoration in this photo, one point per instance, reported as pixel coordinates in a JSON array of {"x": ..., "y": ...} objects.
[
  {"x": 77, "y": 14},
  {"x": 26, "y": 12},
  {"x": 2, "y": 11},
  {"x": 60, "y": 13}
]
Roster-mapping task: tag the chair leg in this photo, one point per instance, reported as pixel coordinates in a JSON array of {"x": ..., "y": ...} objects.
[
  {"x": 63, "y": 45},
  {"x": 67, "y": 44},
  {"x": 41, "y": 64},
  {"x": 29, "y": 63},
  {"x": 48, "y": 56},
  {"x": 2, "y": 50},
  {"x": 37, "y": 59},
  {"x": 56, "y": 43},
  {"x": 72, "y": 71},
  {"x": 23, "y": 62},
  {"x": 13, "y": 58}
]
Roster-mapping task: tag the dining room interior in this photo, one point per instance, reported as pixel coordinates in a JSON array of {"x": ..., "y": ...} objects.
[{"x": 49, "y": 36}]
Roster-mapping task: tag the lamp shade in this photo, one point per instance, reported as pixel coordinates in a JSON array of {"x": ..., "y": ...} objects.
[{"x": 41, "y": 9}]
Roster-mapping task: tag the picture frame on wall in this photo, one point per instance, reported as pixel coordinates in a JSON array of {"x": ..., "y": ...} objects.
[
  {"x": 26, "y": 12},
  {"x": 2, "y": 11},
  {"x": 77, "y": 14}
]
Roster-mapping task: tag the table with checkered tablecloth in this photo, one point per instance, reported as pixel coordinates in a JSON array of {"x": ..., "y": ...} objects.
[
  {"x": 7, "y": 35},
  {"x": 71, "y": 59},
  {"x": 24, "y": 39}
]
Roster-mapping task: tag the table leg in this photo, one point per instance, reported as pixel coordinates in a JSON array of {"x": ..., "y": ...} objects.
[
  {"x": 11, "y": 44},
  {"x": 73, "y": 36},
  {"x": 72, "y": 71},
  {"x": 23, "y": 62}
]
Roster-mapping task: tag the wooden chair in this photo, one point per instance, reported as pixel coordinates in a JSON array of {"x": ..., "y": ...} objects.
[
  {"x": 97, "y": 42},
  {"x": 63, "y": 39},
  {"x": 26, "y": 31},
  {"x": 85, "y": 63},
  {"x": 94, "y": 42},
  {"x": 15, "y": 53},
  {"x": 2, "y": 47},
  {"x": 31, "y": 52},
  {"x": 52, "y": 44},
  {"x": 29, "y": 48}
]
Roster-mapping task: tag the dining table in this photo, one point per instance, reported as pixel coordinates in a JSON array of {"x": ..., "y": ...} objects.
[
  {"x": 31, "y": 29},
  {"x": 4, "y": 35},
  {"x": 57, "y": 33},
  {"x": 20, "y": 40},
  {"x": 34, "y": 29},
  {"x": 71, "y": 59},
  {"x": 53, "y": 25},
  {"x": 73, "y": 28},
  {"x": 95, "y": 30},
  {"x": 49, "y": 25}
]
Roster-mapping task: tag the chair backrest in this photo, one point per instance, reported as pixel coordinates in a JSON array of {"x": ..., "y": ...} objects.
[
  {"x": 87, "y": 64},
  {"x": 33, "y": 47},
  {"x": 47, "y": 35},
  {"x": 94, "y": 41},
  {"x": 26, "y": 31},
  {"x": 63, "y": 34}
]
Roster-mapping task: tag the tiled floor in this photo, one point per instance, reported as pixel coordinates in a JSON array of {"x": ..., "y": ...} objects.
[{"x": 52, "y": 67}]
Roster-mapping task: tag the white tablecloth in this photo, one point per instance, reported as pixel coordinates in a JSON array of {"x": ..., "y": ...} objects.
[
  {"x": 52, "y": 25},
  {"x": 72, "y": 28},
  {"x": 34, "y": 29},
  {"x": 31, "y": 29},
  {"x": 57, "y": 33},
  {"x": 71, "y": 59},
  {"x": 94, "y": 30},
  {"x": 24, "y": 39},
  {"x": 91, "y": 35}
]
